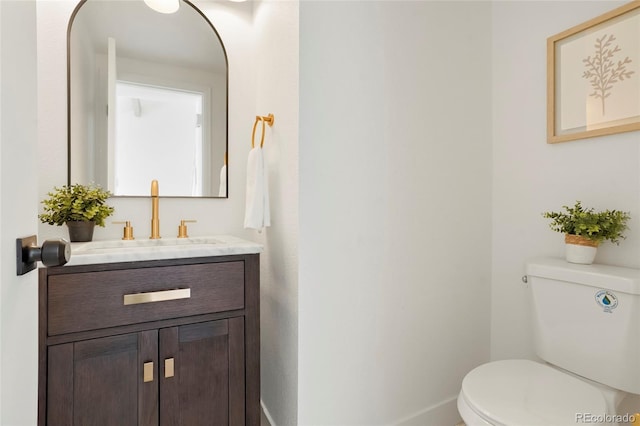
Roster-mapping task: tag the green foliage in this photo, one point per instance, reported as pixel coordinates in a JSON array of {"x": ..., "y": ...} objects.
[
  {"x": 596, "y": 226},
  {"x": 77, "y": 202}
]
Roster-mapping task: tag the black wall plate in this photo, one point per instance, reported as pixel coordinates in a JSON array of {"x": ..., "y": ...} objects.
[{"x": 21, "y": 245}]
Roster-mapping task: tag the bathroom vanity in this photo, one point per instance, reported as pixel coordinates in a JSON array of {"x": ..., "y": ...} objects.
[{"x": 172, "y": 341}]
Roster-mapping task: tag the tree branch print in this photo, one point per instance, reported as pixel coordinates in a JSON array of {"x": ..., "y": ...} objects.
[{"x": 603, "y": 71}]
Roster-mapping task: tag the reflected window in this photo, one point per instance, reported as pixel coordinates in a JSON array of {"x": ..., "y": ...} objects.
[{"x": 158, "y": 130}]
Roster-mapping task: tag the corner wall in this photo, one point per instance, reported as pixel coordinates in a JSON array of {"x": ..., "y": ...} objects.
[
  {"x": 276, "y": 73},
  {"x": 531, "y": 176},
  {"x": 395, "y": 209}
]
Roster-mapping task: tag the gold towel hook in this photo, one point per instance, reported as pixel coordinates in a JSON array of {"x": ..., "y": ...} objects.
[{"x": 269, "y": 120}]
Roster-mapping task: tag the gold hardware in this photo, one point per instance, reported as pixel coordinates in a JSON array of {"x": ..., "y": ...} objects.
[
  {"x": 155, "y": 219},
  {"x": 147, "y": 374},
  {"x": 127, "y": 232},
  {"x": 157, "y": 296},
  {"x": 269, "y": 119},
  {"x": 168, "y": 368},
  {"x": 182, "y": 229}
]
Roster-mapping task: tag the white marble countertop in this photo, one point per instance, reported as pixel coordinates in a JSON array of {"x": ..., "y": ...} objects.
[{"x": 111, "y": 251}]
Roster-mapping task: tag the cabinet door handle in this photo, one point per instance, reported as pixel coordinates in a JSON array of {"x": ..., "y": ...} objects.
[
  {"x": 147, "y": 374},
  {"x": 157, "y": 296},
  {"x": 168, "y": 367}
]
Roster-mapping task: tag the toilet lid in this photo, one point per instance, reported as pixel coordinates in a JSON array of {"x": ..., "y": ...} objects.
[{"x": 524, "y": 392}]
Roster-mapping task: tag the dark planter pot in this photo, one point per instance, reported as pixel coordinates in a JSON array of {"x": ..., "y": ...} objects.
[{"x": 80, "y": 231}]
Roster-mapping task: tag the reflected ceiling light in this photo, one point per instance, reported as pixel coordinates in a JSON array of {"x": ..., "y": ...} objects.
[
  {"x": 238, "y": 1},
  {"x": 163, "y": 6}
]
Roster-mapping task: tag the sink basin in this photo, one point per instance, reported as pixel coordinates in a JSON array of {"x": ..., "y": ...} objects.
[{"x": 110, "y": 251}]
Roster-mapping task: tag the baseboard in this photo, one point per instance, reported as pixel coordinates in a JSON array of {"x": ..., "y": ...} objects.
[
  {"x": 267, "y": 414},
  {"x": 443, "y": 413}
]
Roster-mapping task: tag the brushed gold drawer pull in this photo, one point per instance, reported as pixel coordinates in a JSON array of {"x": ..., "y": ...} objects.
[
  {"x": 168, "y": 368},
  {"x": 147, "y": 374},
  {"x": 157, "y": 296}
]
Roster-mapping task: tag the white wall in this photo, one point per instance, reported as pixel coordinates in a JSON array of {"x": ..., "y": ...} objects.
[
  {"x": 277, "y": 52},
  {"x": 3, "y": 37},
  {"x": 531, "y": 176},
  {"x": 395, "y": 208},
  {"x": 84, "y": 107},
  {"x": 18, "y": 183}
]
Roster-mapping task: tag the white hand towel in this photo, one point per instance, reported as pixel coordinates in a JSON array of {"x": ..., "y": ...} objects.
[
  {"x": 257, "y": 214},
  {"x": 222, "y": 190}
]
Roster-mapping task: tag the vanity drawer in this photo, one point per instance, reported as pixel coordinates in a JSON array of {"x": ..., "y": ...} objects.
[{"x": 94, "y": 300}]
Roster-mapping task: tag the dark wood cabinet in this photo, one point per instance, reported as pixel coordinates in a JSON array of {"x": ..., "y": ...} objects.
[
  {"x": 210, "y": 389},
  {"x": 99, "y": 381},
  {"x": 190, "y": 358}
]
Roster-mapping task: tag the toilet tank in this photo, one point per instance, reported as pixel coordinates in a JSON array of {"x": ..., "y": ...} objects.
[{"x": 586, "y": 319}]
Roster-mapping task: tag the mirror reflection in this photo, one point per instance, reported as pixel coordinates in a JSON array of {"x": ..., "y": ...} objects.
[{"x": 147, "y": 100}]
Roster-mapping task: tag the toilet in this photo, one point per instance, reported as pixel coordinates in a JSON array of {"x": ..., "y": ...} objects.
[{"x": 586, "y": 330}]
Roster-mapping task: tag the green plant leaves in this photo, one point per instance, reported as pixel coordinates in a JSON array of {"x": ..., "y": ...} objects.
[
  {"x": 596, "y": 226},
  {"x": 76, "y": 203}
]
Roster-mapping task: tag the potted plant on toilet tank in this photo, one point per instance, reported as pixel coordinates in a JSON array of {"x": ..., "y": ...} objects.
[
  {"x": 81, "y": 207},
  {"x": 585, "y": 229}
]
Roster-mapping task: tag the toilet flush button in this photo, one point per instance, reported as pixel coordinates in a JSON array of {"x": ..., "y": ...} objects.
[{"x": 607, "y": 300}]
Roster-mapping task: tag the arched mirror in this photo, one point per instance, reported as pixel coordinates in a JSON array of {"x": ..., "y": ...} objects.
[{"x": 147, "y": 99}]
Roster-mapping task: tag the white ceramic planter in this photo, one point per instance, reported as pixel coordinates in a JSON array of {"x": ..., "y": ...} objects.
[
  {"x": 580, "y": 254},
  {"x": 580, "y": 250}
]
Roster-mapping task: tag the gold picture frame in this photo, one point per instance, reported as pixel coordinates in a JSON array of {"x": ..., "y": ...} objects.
[{"x": 593, "y": 77}]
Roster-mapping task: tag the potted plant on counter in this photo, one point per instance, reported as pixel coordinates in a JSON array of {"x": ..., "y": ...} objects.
[
  {"x": 585, "y": 229},
  {"x": 81, "y": 207}
]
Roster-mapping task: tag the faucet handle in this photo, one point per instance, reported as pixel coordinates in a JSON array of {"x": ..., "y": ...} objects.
[
  {"x": 182, "y": 229},
  {"x": 127, "y": 231}
]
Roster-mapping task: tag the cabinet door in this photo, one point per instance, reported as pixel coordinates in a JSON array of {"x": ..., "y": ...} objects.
[
  {"x": 206, "y": 386},
  {"x": 102, "y": 381}
]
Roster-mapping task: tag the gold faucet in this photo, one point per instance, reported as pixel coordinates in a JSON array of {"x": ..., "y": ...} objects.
[{"x": 155, "y": 219}]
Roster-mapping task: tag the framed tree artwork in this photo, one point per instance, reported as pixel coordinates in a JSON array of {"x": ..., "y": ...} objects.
[{"x": 593, "y": 77}]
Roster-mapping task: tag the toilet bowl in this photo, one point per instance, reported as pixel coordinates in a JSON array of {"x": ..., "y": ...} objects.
[
  {"x": 582, "y": 318},
  {"x": 523, "y": 392}
]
